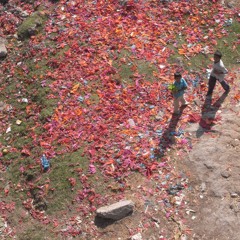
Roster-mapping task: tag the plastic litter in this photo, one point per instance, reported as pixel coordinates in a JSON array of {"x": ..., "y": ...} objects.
[
  {"x": 45, "y": 163},
  {"x": 131, "y": 122},
  {"x": 175, "y": 189},
  {"x": 25, "y": 100},
  {"x": 228, "y": 22},
  {"x": 195, "y": 82},
  {"x": 80, "y": 99},
  {"x": 208, "y": 73}
]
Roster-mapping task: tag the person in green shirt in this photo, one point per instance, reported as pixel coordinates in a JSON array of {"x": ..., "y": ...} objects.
[{"x": 179, "y": 87}]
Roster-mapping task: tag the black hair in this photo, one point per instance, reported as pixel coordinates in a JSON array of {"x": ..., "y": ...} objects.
[
  {"x": 177, "y": 74},
  {"x": 218, "y": 53}
]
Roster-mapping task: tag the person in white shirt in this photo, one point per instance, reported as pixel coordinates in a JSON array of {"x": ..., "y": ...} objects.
[{"x": 218, "y": 73}]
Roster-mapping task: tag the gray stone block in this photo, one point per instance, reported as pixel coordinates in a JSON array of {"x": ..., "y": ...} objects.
[
  {"x": 3, "y": 49},
  {"x": 117, "y": 210}
]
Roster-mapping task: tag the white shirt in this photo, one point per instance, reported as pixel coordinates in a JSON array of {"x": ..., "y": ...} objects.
[{"x": 219, "y": 66}]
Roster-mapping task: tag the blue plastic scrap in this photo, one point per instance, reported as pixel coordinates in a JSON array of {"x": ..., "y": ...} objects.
[
  {"x": 80, "y": 99},
  {"x": 173, "y": 190},
  {"x": 45, "y": 162},
  {"x": 177, "y": 133},
  {"x": 196, "y": 81}
]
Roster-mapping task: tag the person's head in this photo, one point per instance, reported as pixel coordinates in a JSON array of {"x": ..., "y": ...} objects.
[
  {"x": 217, "y": 56},
  {"x": 177, "y": 76}
]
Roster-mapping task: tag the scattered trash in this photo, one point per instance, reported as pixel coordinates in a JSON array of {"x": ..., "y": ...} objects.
[
  {"x": 80, "y": 99},
  {"x": 175, "y": 189},
  {"x": 188, "y": 211},
  {"x": 8, "y": 129},
  {"x": 117, "y": 150},
  {"x": 45, "y": 163},
  {"x": 228, "y": 22},
  {"x": 5, "y": 151},
  {"x": 137, "y": 236},
  {"x": 177, "y": 133},
  {"x": 131, "y": 123},
  {"x": 18, "y": 122},
  {"x": 133, "y": 48},
  {"x": 208, "y": 73},
  {"x": 24, "y": 100}
]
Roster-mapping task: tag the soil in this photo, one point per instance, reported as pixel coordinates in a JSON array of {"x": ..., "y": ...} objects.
[{"x": 214, "y": 163}]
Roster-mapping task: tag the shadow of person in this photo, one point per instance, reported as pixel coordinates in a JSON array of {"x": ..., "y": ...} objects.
[
  {"x": 208, "y": 114},
  {"x": 167, "y": 138}
]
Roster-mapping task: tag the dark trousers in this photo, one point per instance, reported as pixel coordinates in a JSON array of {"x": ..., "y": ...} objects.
[{"x": 212, "y": 82}]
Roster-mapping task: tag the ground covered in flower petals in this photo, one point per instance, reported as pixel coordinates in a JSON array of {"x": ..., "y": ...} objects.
[{"x": 88, "y": 85}]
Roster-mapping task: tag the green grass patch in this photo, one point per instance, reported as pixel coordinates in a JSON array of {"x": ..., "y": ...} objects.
[
  {"x": 20, "y": 130},
  {"x": 23, "y": 141},
  {"x": 228, "y": 45},
  {"x": 146, "y": 69},
  {"x": 32, "y": 25},
  {"x": 37, "y": 231},
  {"x": 126, "y": 72},
  {"x": 11, "y": 157},
  {"x": 63, "y": 168},
  {"x": 46, "y": 112},
  {"x": 127, "y": 65},
  {"x": 15, "y": 176}
]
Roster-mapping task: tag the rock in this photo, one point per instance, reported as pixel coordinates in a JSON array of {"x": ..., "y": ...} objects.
[
  {"x": 3, "y": 224},
  {"x": 203, "y": 187},
  {"x": 230, "y": 4},
  {"x": 235, "y": 207},
  {"x": 3, "y": 49},
  {"x": 116, "y": 211},
  {"x": 225, "y": 174},
  {"x": 137, "y": 236},
  {"x": 208, "y": 166},
  {"x": 234, "y": 195}
]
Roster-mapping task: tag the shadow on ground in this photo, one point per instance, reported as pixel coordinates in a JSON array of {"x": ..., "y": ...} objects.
[
  {"x": 167, "y": 138},
  {"x": 103, "y": 222},
  {"x": 208, "y": 114}
]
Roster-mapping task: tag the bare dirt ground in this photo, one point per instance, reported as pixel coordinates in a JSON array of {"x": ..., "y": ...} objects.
[{"x": 214, "y": 163}]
